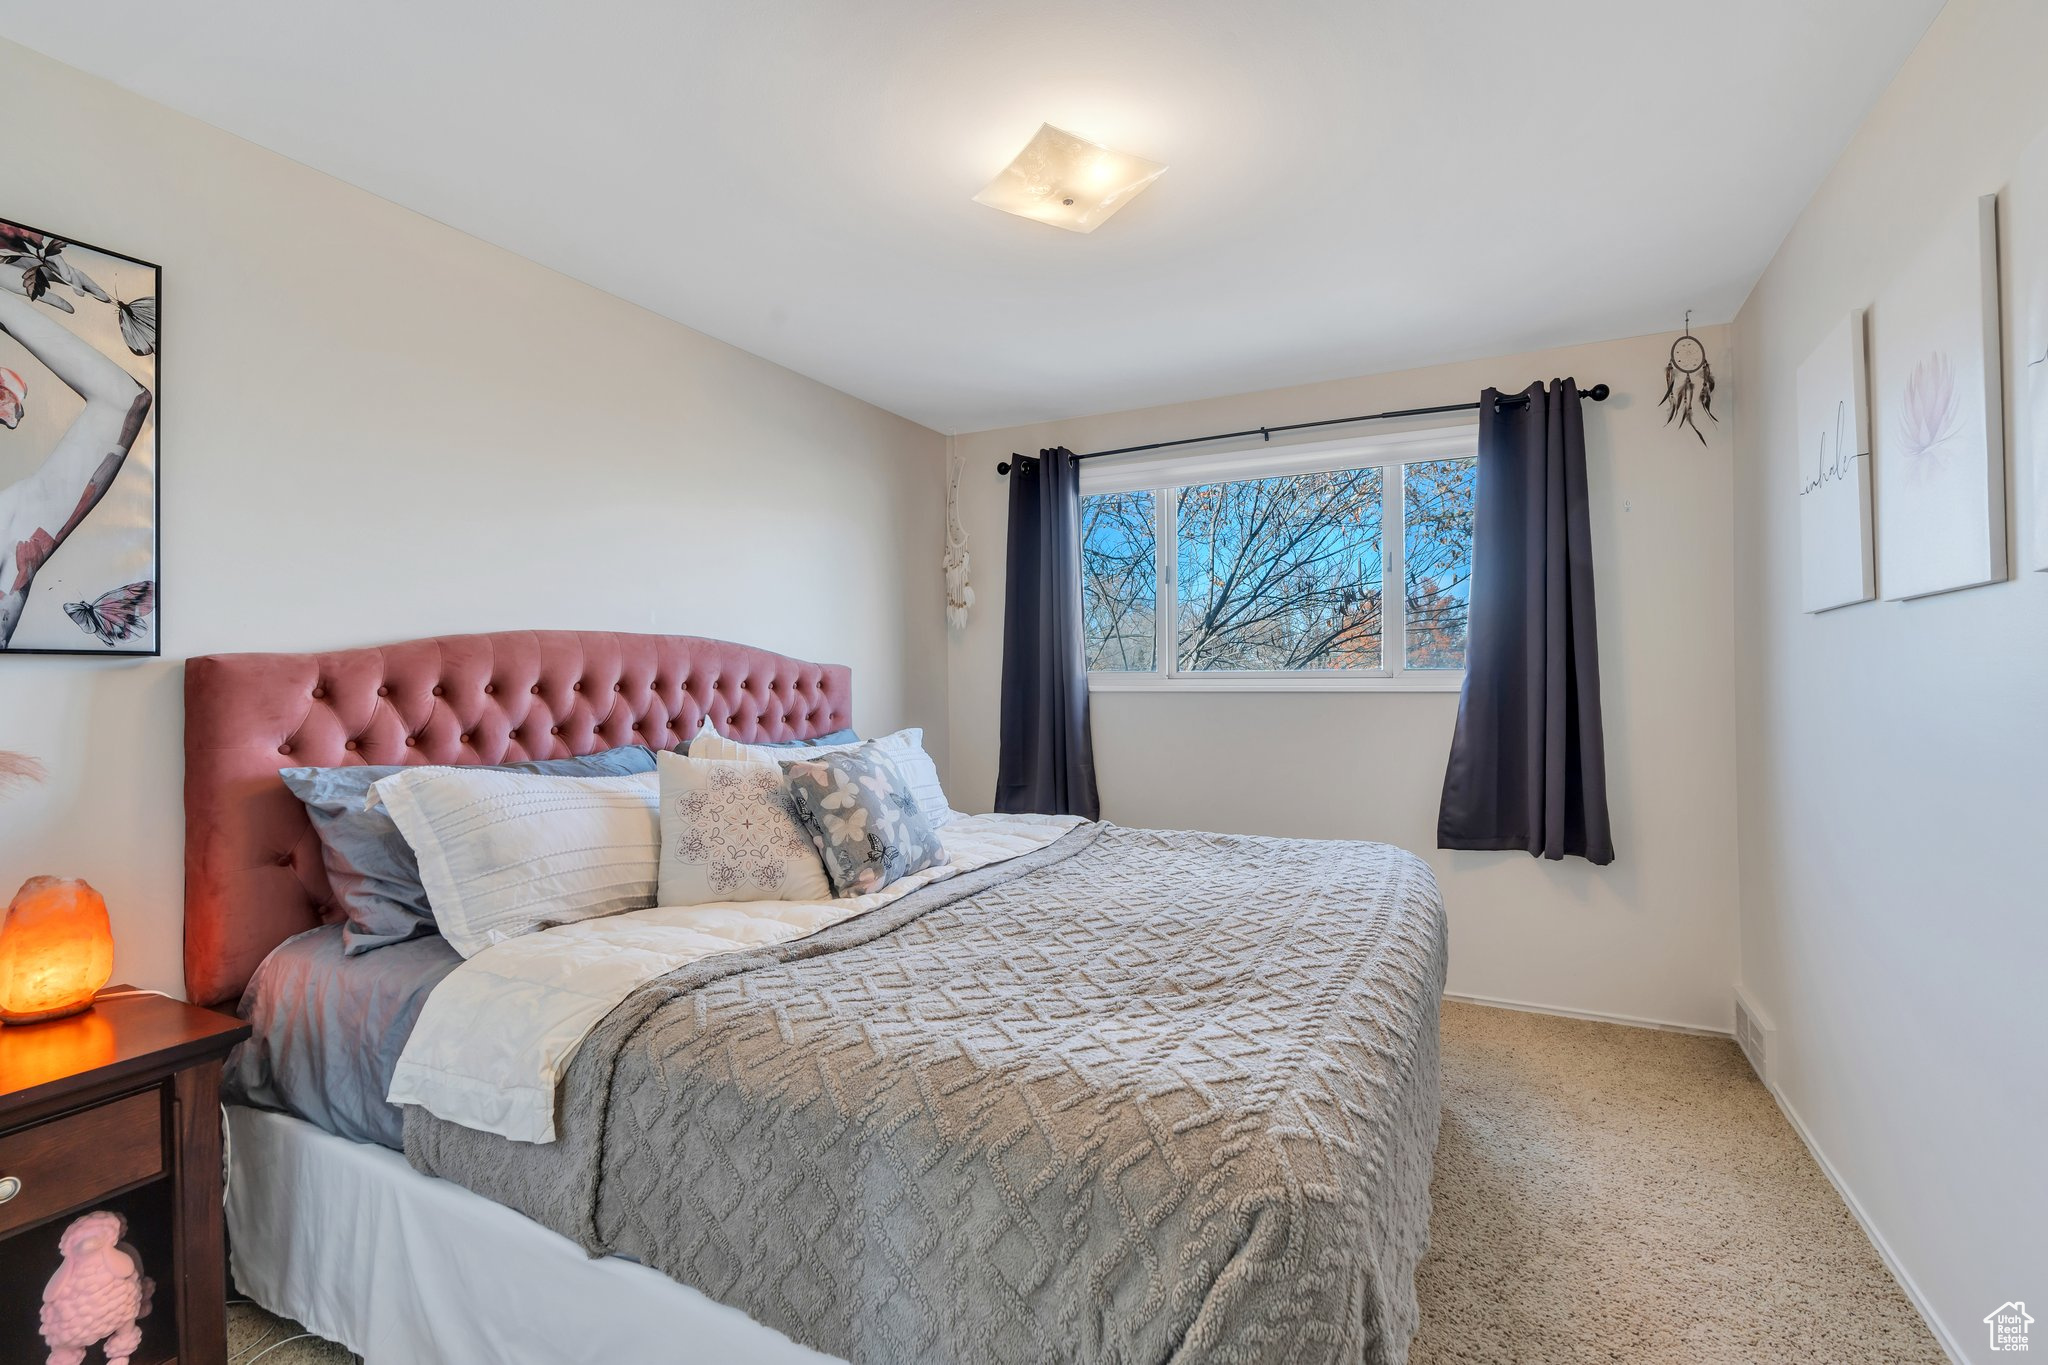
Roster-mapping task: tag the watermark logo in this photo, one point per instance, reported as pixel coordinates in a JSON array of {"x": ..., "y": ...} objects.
[{"x": 2008, "y": 1324}]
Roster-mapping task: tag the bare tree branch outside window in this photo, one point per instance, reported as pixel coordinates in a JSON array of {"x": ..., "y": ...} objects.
[
  {"x": 1279, "y": 574},
  {"x": 1119, "y": 582},
  {"x": 1437, "y": 559},
  {"x": 1283, "y": 574}
]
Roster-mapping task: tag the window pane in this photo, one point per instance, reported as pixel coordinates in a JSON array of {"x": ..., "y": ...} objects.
[
  {"x": 1437, "y": 559},
  {"x": 1280, "y": 573},
  {"x": 1119, "y": 581}
]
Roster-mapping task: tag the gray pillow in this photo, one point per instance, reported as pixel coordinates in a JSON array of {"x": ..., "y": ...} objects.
[
  {"x": 862, "y": 817},
  {"x": 375, "y": 876},
  {"x": 327, "y": 1030}
]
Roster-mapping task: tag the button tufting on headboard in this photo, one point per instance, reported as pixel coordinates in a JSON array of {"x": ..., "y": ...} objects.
[{"x": 253, "y": 874}]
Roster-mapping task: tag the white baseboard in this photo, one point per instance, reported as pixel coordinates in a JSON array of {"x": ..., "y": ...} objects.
[
  {"x": 1942, "y": 1336},
  {"x": 1629, "y": 1020}
]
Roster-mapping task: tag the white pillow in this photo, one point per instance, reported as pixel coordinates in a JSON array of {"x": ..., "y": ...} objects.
[
  {"x": 708, "y": 743},
  {"x": 728, "y": 833},
  {"x": 905, "y": 746},
  {"x": 504, "y": 854}
]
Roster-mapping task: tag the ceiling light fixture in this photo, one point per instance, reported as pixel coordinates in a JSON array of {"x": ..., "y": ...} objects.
[{"x": 1068, "y": 181}]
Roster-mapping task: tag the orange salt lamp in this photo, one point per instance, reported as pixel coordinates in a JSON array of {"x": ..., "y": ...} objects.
[{"x": 56, "y": 950}]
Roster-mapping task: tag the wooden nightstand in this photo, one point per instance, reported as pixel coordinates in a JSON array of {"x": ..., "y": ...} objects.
[{"x": 118, "y": 1108}]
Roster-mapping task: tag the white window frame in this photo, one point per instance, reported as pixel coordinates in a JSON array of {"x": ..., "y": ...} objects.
[{"x": 1389, "y": 452}]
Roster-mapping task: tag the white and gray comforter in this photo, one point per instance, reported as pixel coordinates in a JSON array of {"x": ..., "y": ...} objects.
[{"x": 1138, "y": 1096}]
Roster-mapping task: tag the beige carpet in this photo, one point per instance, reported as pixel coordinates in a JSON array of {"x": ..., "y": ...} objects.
[
  {"x": 1603, "y": 1194},
  {"x": 1620, "y": 1194}
]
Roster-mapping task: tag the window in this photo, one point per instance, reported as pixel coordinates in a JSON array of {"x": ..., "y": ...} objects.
[
  {"x": 1278, "y": 564},
  {"x": 1119, "y": 581}
]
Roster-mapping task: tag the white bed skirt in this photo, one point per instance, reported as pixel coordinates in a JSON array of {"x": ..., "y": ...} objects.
[{"x": 404, "y": 1269}]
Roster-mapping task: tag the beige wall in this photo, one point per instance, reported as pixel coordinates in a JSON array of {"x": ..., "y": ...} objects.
[
  {"x": 1651, "y": 936},
  {"x": 1894, "y": 904},
  {"x": 376, "y": 428}
]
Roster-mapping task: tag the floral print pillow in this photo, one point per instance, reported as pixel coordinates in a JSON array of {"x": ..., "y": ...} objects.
[
  {"x": 730, "y": 833},
  {"x": 863, "y": 818}
]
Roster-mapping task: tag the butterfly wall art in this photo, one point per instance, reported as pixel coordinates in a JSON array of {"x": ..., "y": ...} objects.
[
  {"x": 114, "y": 616},
  {"x": 79, "y": 405}
]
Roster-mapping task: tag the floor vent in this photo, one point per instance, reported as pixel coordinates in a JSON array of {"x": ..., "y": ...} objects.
[{"x": 1756, "y": 1037}]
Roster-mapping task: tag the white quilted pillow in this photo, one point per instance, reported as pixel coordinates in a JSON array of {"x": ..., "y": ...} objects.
[
  {"x": 504, "y": 854},
  {"x": 906, "y": 747}
]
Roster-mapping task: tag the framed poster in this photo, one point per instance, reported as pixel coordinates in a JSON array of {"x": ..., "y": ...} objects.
[
  {"x": 1833, "y": 466},
  {"x": 1936, "y": 400},
  {"x": 79, "y": 544},
  {"x": 2026, "y": 254}
]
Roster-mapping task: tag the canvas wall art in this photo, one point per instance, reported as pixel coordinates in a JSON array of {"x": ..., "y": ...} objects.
[
  {"x": 1832, "y": 467},
  {"x": 1937, "y": 424},
  {"x": 2026, "y": 254},
  {"x": 78, "y": 447}
]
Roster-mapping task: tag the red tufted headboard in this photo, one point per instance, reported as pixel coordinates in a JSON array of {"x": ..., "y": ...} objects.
[{"x": 253, "y": 874}]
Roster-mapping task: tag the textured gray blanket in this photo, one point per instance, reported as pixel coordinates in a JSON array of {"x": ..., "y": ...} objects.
[{"x": 1139, "y": 1096}]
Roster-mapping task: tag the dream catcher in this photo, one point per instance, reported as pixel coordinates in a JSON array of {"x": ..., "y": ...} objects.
[{"x": 1688, "y": 378}]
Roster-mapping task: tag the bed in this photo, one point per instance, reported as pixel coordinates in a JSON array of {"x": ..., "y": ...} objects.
[{"x": 1116, "y": 1095}]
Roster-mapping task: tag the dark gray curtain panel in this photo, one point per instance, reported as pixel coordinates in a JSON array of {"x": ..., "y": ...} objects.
[
  {"x": 1528, "y": 767},
  {"x": 1048, "y": 759}
]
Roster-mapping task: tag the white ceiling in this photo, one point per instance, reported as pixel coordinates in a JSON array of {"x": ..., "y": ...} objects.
[{"x": 1356, "y": 185}]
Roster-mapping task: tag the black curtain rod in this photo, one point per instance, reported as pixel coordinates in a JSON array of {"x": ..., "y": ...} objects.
[{"x": 1598, "y": 393}]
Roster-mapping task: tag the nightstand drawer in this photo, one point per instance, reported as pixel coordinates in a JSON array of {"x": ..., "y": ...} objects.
[{"x": 80, "y": 1157}]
